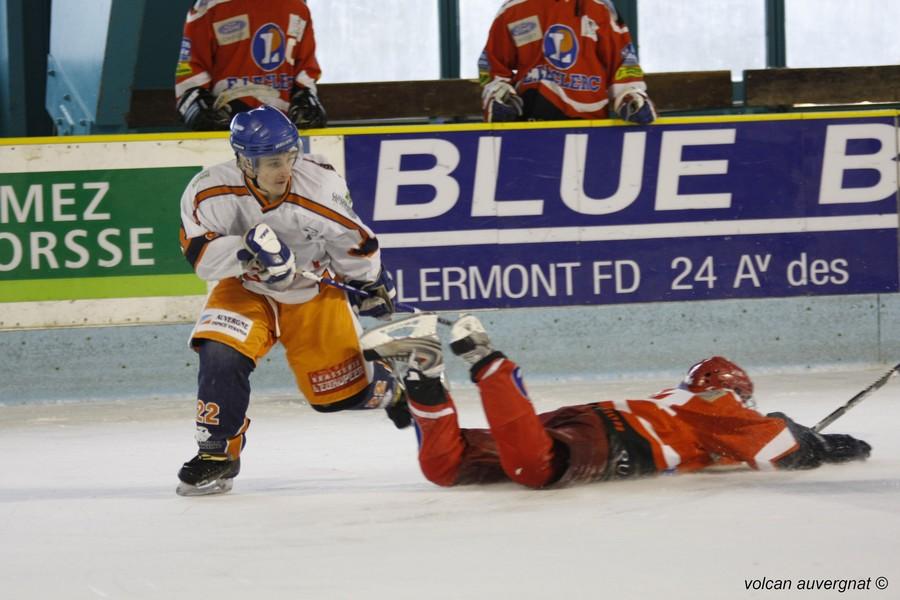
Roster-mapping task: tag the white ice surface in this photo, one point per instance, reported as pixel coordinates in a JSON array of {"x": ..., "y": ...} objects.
[{"x": 333, "y": 506}]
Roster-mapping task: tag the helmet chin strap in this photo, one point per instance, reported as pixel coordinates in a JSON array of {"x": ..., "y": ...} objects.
[
  {"x": 251, "y": 175},
  {"x": 247, "y": 166}
]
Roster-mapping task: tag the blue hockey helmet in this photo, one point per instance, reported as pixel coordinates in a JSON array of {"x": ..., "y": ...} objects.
[{"x": 263, "y": 131}]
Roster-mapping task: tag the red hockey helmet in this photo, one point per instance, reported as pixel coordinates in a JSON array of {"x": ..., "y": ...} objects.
[{"x": 718, "y": 372}]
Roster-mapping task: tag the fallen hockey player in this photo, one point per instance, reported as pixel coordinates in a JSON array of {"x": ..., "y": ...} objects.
[{"x": 707, "y": 420}]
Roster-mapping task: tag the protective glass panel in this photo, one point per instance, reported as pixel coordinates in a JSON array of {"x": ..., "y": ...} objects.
[
  {"x": 387, "y": 40},
  {"x": 702, "y": 35},
  {"x": 837, "y": 33},
  {"x": 475, "y": 18}
]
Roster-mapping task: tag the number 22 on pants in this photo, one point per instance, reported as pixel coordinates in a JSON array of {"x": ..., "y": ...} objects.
[{"x": 207, "y": 413}]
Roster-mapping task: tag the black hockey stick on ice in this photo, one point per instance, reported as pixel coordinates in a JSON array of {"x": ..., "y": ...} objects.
[
  {"x": 855, "y": 400},
  {"x": 355, "y": 290}
]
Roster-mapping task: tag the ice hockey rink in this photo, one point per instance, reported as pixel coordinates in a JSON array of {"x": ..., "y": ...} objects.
[{"x": 334, "y": 506}]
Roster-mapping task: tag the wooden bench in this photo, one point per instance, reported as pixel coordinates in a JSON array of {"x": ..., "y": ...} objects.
[
  {"x": 690, "y": 91},
  {"x": 451, "y": 99},
  {"x": 442, "y": 99},
  {"x": 777, "y": 88}
]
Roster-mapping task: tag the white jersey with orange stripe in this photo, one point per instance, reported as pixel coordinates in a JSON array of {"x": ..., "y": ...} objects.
[{"x": 314, "y": 218}]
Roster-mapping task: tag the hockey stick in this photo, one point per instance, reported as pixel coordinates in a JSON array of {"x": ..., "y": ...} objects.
[
  {"x": 834, "y": 416},
  {"x": 355, "y": 290},
  {"x": 263, "y": 93}
]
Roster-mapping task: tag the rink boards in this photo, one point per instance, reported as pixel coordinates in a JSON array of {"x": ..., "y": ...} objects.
[{"x": 478, "y": 216}]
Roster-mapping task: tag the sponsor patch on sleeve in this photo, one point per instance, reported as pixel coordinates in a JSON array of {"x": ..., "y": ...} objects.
[
  {"x": 296, "y": 26},
  {"x": 225, "y": 322},
  {"x": 589, "y": 28},
  {"x": 525, "y": 31},
  {"x": 629, "y": 72},
  {"x": 232, "y": 30},
  {"x": 185, "y": 53},
  {"x": 484, "y": 70},
  {"x": 629, "y": 55},
  {"x": 345, "y": 202}
]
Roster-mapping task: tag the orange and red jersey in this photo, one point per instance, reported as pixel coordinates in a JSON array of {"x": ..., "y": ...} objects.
[
  {"x": 687, "y": 431},
  {"x": 673, "y": 431},
  {"x": 577, "y": 54},
  {"x": 235, "y": 43}
]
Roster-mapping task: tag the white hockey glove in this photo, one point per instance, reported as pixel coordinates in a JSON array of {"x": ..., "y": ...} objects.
[
  {"x": 267, "y": 258},
  {"x": 500, "y": 102},
  {"x": 635, "y": 106},
  {"x": 380, "y": 301}
]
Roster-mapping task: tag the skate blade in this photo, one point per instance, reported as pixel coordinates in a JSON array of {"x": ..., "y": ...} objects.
[
  {"x": 417, "y": 325},
  {"x": 217, "y": 486}
]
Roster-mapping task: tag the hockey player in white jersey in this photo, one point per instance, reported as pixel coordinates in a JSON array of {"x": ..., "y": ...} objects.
[{"x": 250, "y": 225}]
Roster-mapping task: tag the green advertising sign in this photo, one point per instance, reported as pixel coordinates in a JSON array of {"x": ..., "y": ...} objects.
[{"x": 93, "y": 234}]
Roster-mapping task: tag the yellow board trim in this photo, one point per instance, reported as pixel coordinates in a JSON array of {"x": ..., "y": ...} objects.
[
  {"x": 92, "y": 288},
  {"x": 452, "y": 127}
]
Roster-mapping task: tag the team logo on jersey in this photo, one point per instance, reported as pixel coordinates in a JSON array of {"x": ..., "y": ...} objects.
[
  {"x": 268, "y": 47},
  {"x": 561, "y": 46}
]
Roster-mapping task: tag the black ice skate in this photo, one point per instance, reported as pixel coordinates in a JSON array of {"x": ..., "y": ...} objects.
[
  {"x": 398, "y": 408},
  {"x": 207, "y": 474},
  {"x": 409, "y": 343},
  {"x": 469, "y": 340}
]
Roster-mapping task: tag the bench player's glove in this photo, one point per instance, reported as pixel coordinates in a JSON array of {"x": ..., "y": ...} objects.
[
  {"x": 306, "y": 111},
  {"x": 380, "y": 301},
  {"x": 267, "y": 258},
  {"x": 197, "y": 110},
  {"x": 636, "y": 107},
  {"x": 500, "y": 102}
]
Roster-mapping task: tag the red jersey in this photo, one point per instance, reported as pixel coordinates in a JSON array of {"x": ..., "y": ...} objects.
[
  {"x": 686, "y": 431},
  {"x": 230, "y": 44},
  {"x": 577, "y": 54},
  {"x": 673, "y": 431},
  {"x": 678, "y": 431}
]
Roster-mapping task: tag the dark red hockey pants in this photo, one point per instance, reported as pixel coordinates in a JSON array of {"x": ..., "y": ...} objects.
[{"x": 524, "y": 447}]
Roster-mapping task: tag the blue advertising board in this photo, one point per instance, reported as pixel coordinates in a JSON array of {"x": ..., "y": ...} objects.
[{"x": 684, "y": 210}]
